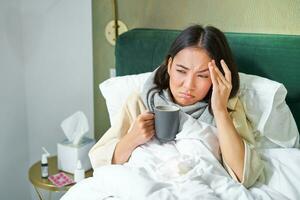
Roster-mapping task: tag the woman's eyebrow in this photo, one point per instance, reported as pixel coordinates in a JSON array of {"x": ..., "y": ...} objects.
[
  {"x": 179, "y": 65},
  {"x": 186, "y": 68},
  {"x": 203, "y": 70}
]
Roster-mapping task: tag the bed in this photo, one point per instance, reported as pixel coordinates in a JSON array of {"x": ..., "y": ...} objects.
[{"x": 272, "y": 56}]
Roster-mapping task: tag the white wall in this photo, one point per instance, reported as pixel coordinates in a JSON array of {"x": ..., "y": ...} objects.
[
  {"x": 13, "y": 130},
  {"x": 46, "y": 75},
  {"x": 57, "y": 42}
]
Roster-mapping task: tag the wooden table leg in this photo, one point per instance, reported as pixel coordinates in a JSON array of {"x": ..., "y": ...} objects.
[{"x": 39, "y": 194}]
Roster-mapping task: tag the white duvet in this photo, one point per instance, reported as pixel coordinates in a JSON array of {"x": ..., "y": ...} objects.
[{"x": 188, "y": 169}]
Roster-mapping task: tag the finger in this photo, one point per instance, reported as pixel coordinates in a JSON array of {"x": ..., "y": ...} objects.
[
  {"x": 226, "y": 71},
  {"x": 215, "y": 68},
  {"x": 147, "y": 116},
  {"x": 150, "y": 129},
  {"x": 212, "y": 74},
  {"x": 151, "y": 133},
  {"x": 220, "y": 76},
  {"x": 149, "y": 123}
]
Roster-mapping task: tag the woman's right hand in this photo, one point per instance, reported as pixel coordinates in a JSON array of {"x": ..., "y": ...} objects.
[
  {"x": 140, "y": 132},
  {"x": 142, "y": 129}
]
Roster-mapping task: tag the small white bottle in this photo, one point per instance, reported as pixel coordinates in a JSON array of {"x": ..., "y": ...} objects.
[
  {"x": 79, "y": 172},
  {"x": 44, "y": 166}
]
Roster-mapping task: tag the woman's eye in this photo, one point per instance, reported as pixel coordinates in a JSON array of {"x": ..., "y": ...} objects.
[
  {"x": 203, "y": 76},
  {"x": 180, "y": 71}
]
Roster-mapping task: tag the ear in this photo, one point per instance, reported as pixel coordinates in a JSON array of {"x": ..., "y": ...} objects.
[{"x": 169, "y": 65}]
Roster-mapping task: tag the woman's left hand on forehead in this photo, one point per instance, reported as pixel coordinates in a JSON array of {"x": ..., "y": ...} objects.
[
  {"x": 219, "y": 76},
  {"x": 221, "y": 86}
]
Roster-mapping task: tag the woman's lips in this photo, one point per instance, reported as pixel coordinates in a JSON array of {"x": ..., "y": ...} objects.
[{"x": 186, "y": 95}]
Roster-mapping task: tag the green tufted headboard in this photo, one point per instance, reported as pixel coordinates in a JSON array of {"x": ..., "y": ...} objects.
[{"x": 276, "y": 57}]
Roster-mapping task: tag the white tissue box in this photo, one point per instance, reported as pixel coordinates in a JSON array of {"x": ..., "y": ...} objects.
[{"x": 68, "y": 154}]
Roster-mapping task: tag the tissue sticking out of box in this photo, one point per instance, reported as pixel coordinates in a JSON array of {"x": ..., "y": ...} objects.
[{"x": 75, "y": 127}]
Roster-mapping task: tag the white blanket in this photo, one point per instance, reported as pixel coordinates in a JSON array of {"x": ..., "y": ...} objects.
[{"x": 188, "y": 169}]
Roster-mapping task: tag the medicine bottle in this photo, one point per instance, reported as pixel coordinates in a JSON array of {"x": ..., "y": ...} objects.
[
  {"x": 79, "y": 172},
  {"x": 44, "y": 166},
  {"x": 44, "y": 163}
]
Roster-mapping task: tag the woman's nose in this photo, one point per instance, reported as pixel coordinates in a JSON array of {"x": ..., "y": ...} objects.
[{"x": 189, "y": 83}]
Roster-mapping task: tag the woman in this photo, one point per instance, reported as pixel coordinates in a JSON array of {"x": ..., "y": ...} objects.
[{"x": 200, "y": 76}]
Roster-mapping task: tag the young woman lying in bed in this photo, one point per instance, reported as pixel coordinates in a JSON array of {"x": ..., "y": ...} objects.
[{"x": 200, "y": 77}]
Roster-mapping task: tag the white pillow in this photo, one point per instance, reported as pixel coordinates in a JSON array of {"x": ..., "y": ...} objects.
[
  {"x": 263, "y": 100},
  {"x": 116, "y": 90},
  {"x": 266, "y": 108}
]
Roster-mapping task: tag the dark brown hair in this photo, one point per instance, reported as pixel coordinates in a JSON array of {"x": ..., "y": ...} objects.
[{"x": 208, "y": 38}]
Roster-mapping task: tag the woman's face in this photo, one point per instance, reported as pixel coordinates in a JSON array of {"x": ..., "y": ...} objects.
[{"x": 189, "y": 76}]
